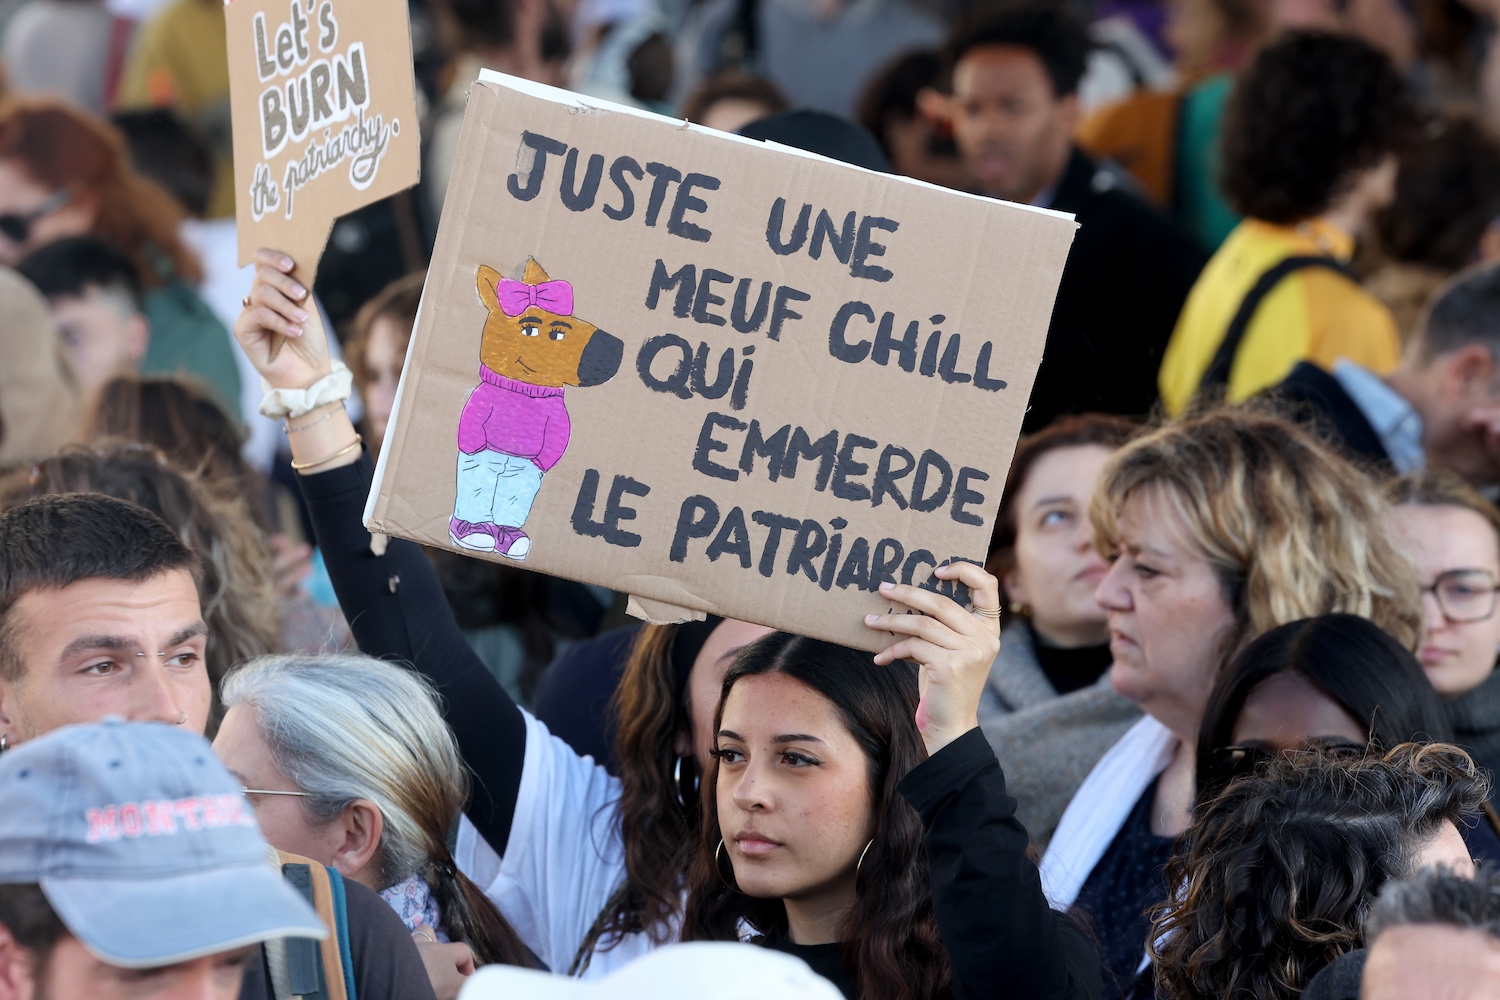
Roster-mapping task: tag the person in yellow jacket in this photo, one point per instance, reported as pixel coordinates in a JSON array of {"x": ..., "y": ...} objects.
[{"x": 1308, "y": 157}]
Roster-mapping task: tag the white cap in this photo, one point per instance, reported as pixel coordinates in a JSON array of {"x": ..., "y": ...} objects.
[{"x": 699, "y": 971}]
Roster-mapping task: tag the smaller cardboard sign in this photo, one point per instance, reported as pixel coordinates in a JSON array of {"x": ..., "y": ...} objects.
[
  {"x": 325, "y": 117},
  {"x": 715, "y": 374}
]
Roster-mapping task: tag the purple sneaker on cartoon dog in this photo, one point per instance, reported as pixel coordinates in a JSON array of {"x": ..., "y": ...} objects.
[{"x": 509, "y": 542}]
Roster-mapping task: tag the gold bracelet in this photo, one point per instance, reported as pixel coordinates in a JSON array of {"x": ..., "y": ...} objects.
[{"x": 358, "y": 440}]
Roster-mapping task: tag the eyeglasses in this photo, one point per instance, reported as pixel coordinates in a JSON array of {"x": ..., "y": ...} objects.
[
  {"x": 16, "y": 226},
  {"x": 1464, "y": 595},
  {"x": 272, "y": 791},
  {"x": 1244, "y": 760}
]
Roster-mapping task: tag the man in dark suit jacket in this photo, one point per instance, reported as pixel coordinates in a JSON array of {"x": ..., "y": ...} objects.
[
  {"x": 1440, "y": 407},
  {"x": 1013, "y": 110}
]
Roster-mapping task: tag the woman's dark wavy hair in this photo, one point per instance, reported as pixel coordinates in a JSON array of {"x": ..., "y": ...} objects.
[
  {"x": 890, "y": 939},
  {"x": 1278, "y": 870},
  {"x": 1310, "y": 113},
  {"x": 1351, "y": 660},
  {"x": 658, "y": 831}
]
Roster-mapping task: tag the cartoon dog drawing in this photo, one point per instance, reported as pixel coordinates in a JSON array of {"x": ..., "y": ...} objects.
[{"x": 515, "y": 426}]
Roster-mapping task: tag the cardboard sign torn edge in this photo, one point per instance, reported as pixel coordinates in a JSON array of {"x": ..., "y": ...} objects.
[{"x": 660, "y": 612}]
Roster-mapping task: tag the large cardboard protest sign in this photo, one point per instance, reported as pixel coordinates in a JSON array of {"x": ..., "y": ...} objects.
[
  {"x": 715, "y": 374},
  {"x": 323, "y": 103}
]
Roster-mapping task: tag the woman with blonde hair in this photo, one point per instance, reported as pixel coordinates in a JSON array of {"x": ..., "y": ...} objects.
[
  {"x": 1219, "y": 528},
  {"x": 347, "y": 760}
]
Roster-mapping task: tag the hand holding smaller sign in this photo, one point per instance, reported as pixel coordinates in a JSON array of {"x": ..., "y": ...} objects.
[
  {"x": 953, "y": 646},
  {"x": 279, "y": 311}
]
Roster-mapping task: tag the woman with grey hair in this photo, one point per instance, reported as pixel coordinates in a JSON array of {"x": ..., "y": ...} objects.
[{"x": 347, "y": 760}]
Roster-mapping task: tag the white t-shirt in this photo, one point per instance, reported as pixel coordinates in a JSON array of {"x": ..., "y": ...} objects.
[{"x": 564, "y": 859}]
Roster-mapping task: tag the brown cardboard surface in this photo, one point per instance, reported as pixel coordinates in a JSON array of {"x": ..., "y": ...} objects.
[
  {"x": 655, "y": 492},
  {"x": 323, "y": 104}
]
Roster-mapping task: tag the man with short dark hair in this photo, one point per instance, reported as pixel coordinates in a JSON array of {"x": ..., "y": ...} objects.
[
  {"x": 94, "y": 293},
  {"x": 1013, "y": 108},
  {"x": 131, "y": 867},
  {"x": 1439, "y": 407},
  {"x": 1308, "y": 157},
  {"x": 99, "y": 617}
]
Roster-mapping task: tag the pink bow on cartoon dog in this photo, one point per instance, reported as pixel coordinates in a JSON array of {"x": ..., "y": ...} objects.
[{"x": 517, "y": 296}]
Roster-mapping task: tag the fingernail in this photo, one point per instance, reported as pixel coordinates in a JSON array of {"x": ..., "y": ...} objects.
[
  {"x": 887, "y": 586},
  {"x": 295, "y": 331},
  {"x": 286, "y": 264},
  {"x": 299, "y": 291},
  {"x": 871, "y": 619},
  {"x": 301, "y": 316}
]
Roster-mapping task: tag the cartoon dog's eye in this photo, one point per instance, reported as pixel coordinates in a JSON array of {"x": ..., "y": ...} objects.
[
  {"x": 557, "y": 334},
  {"x": 530, "y": 331}
]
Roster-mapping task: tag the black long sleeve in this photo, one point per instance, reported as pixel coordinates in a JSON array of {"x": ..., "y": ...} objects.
[
  {"x": 1002, "y": 936},
  {"x": 397, "y": 611}
]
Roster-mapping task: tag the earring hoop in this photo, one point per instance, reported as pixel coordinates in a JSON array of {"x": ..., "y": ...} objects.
[
  {"x": 182, "y": 721},
  {"x": 687, "y": 793},
  {"x": 4, "y": 742},
  {"x": 719, "y": 866},
  {"x": 861, "y": 860}
]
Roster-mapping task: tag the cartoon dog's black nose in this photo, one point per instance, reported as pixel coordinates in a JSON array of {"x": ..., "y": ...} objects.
[{"x": 600, "y": 359}]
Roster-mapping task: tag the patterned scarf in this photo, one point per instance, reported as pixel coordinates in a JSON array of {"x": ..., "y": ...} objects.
[{"x": 415, "y": 905}]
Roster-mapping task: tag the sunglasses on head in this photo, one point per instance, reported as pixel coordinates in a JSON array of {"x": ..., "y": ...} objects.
[{"x": 16, "y": 226}]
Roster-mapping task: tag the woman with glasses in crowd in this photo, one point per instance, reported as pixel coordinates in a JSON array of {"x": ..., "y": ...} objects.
[
  {"x": 1453, "y": 535},
  {"x": 347, "y": 761},
  {"x": 1334, "y": 680}
]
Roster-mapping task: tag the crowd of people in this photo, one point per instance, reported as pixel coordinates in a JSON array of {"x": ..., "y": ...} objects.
[{"x": 1220, "y": 721}]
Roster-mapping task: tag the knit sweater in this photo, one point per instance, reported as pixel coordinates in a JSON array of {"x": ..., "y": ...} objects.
[
  {"x": 515, "y": 418},
  {"x": 1476, "y": 722}
]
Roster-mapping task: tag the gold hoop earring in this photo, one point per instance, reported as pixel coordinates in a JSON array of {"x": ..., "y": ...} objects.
[
  {"x": 719, "y": 867},
  {"x": 861, "y": 860}
]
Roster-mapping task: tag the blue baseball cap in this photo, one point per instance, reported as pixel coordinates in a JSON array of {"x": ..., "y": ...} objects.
[{"x": 143, "y": 844}]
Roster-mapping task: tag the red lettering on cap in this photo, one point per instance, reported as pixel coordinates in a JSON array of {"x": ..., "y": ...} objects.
[
  {"x": 159, "y": 818},
  {"x": 130, "y": 819},
  {"x": 190, "y": 811},
  {"x": 103, "y": 824}
]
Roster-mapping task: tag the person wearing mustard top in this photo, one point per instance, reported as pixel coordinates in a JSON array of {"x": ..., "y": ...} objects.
[{"x": 1308, "y": 157}]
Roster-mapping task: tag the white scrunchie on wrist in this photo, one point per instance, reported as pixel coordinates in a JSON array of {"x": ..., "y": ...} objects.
[{"x": 335, "y": 387}]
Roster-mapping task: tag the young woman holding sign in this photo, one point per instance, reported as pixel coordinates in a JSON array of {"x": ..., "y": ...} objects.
[
  {"x": 574, "y": 857},
  {"x": 884, "y": 854}
]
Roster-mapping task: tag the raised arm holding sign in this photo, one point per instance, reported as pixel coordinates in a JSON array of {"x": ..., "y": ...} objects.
[{"x": 720, "y": 375}]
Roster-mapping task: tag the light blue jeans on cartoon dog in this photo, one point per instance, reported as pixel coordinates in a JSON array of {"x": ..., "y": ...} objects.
[{"x": 496, "y": 488}]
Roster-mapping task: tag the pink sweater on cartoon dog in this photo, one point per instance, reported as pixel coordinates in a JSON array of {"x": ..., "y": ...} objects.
[{"x": 515, "y": 418}]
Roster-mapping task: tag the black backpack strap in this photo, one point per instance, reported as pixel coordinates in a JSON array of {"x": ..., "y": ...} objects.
[
  {"x": 1223, "y": 362},
  {"x": 303, "y": 957}
]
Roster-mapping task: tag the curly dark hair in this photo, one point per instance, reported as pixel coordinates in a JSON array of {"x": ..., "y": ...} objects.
[
  {"x": 1055, "y": 36},
  {"x": 890, "y": 939},
  {"x": 1279, "y": 869},
  {"x": 1447, "y": 193},
  {"x": 1309, "y": 115}
]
